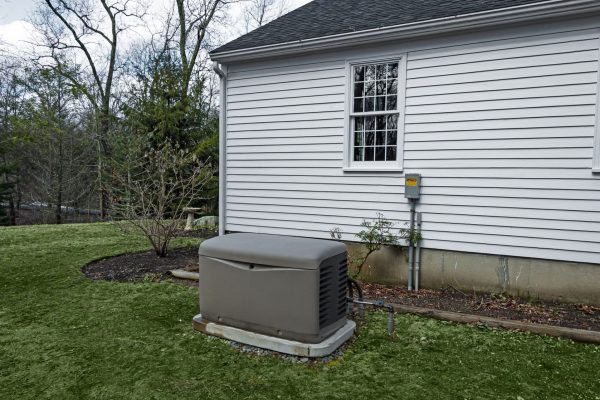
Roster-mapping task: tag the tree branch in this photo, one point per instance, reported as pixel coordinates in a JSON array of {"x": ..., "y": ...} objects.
[{"x": 82, "y": 46}]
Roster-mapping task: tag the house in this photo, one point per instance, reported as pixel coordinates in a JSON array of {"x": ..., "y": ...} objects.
[{"x": 494, "y": 103}]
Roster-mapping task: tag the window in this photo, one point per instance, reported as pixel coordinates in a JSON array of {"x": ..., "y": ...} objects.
[{"x": 374, "y": 121}]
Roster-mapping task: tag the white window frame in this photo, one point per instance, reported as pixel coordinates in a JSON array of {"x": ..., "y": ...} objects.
[{"x": 367, "y": 166}]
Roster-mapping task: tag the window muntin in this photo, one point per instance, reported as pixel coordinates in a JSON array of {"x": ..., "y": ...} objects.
[
  {"x": 376, "y": 138},
  {"x": 374, "y": 115}
]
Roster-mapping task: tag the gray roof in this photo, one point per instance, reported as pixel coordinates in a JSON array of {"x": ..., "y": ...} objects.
[{"x": 321, "y": 18}]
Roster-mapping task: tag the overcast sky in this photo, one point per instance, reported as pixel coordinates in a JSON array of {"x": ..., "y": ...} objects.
[
  {"x": 13, "y": 10},
  {"x": 14, "y": 14}
]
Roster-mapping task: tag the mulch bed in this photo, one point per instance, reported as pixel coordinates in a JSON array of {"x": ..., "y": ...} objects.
[
  {"x": 578, "y": 316},
  {"x": 147, "y": 267}
]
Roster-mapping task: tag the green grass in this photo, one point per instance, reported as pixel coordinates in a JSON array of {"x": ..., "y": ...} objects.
[{"x": 65, "y": 337}]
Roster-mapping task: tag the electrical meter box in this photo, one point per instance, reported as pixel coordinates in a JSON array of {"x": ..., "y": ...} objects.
[{"x": 412, "y": 186}]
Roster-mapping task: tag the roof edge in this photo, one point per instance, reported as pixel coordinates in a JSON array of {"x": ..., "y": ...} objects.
[{"x": 507, "y": 15}]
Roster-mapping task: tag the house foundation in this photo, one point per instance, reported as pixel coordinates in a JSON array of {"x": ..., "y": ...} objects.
[{"x": 522, "y": 277}]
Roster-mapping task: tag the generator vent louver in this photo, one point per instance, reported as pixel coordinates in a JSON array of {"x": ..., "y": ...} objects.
[{"x": 333, "y": 281}]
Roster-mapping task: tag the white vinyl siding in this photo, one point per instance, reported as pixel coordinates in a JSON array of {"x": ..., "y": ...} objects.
[
  {"x": 502, "y": 132},
  {"x": 596, "y": 154}
]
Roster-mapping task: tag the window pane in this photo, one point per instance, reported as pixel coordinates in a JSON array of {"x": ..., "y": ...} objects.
[
  {"x": 358, "y": 89},
  {"x": 392, "y": 138},
  {"x": 369, "y": 154},
  {"x": 370, "y": 89},
  {"x": 392, "y": 71},
  {"x": 380, "y": 138},
  {"x": 392, "y": 87},
  {"x": 379, "y": 153},
  {"x": 370, "y": 73},
  {"x": 390, "y": 153},
  {"x": 380, "y": 88},
  {"x": 380, "y": 103},
  {"x": 369, "y": 123},
  {"x": 359, "y": 124},
  {"x": 381, "y": 125},
  {"x": 359, "y": 74},
  {"x": 359, "y": 138},
  {"x": 358, "y": 105},
  {"x": 359, "y": 153},
  {"x": 381, "y": 72},
  {"x": 369, "y": 104},
  {"x": 392, "y": 102},
  {"x": 392, "y": 122},
  {"x": 370, "y": 138}
]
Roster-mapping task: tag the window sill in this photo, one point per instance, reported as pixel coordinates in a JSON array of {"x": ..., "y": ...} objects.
[
  {"x": 373, "y": 169},
  {"x": 596, "y": 171}
]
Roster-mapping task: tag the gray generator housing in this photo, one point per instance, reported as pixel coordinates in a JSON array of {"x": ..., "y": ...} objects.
[{"x": 288, "y": 287}]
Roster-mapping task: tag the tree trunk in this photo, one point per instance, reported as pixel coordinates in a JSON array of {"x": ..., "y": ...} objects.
[
  {"x": 103, "y": 201},
  {"x": 103, "y": 152},
  {"x": 58, "y": 212},
  {"x": 61, "y": 160},
  {"x": 12, "y": 213}
]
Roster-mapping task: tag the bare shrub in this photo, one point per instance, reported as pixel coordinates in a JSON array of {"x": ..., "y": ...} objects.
[{"x": 153, "y": 190}]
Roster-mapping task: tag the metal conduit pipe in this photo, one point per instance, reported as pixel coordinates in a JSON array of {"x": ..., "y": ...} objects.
[
  {"x": 412, "y": 192},
  {"x": 391, "y": 325},
  {"x": 411, "y": 246},
  {"x": 418, "y": 252}
]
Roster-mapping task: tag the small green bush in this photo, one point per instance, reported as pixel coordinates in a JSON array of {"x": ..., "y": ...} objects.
[{"x": 376, "y": 234}]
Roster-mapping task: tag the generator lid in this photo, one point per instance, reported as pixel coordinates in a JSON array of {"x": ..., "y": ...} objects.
[{"x": 274, "y": 250}]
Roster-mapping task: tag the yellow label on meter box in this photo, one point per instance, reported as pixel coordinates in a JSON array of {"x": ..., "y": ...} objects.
[{"x": 411, "y": 182}]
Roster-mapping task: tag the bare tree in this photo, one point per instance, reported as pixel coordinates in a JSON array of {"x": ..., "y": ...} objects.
[
  {"x": 89, "y": 29},
  {"x": 194, "y": 18},
  {"x": 59, "y": 152},
  {"x": 257, "y": 13},
  {"x": 154, "y": 188}
]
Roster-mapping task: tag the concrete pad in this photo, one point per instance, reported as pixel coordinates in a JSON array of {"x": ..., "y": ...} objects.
[{"x": 313, "y": 350}]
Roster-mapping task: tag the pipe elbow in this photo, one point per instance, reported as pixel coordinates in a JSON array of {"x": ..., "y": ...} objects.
[{"x": 218, "y": 70}]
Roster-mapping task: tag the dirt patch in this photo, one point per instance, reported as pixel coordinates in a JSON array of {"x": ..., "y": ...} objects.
[
  {"x": 145, "y": 266},
  {"x": 498, "y": 306}
]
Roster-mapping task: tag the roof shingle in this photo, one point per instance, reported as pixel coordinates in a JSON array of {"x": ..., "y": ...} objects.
[{"x": 321, "y": 18}]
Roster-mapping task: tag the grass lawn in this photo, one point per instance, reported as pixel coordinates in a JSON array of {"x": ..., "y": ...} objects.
[{"x": 65, "y": 337}]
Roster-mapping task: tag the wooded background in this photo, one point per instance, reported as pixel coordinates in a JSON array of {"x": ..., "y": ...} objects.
[{"x": 84, "y": 99}]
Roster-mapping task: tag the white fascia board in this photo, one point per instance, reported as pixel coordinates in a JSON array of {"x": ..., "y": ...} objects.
[{"x": 504, "y": 16}]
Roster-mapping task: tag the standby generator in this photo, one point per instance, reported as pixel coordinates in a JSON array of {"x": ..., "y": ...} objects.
[{"x": 285, "y": 287}]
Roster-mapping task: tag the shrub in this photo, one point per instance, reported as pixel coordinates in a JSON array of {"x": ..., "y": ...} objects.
[{"x": 376, "y": 234}]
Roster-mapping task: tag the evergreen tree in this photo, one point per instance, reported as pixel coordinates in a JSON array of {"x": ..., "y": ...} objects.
[
  {"x": 6, "y": 190},
  {"x": 160, "y": 112}
]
